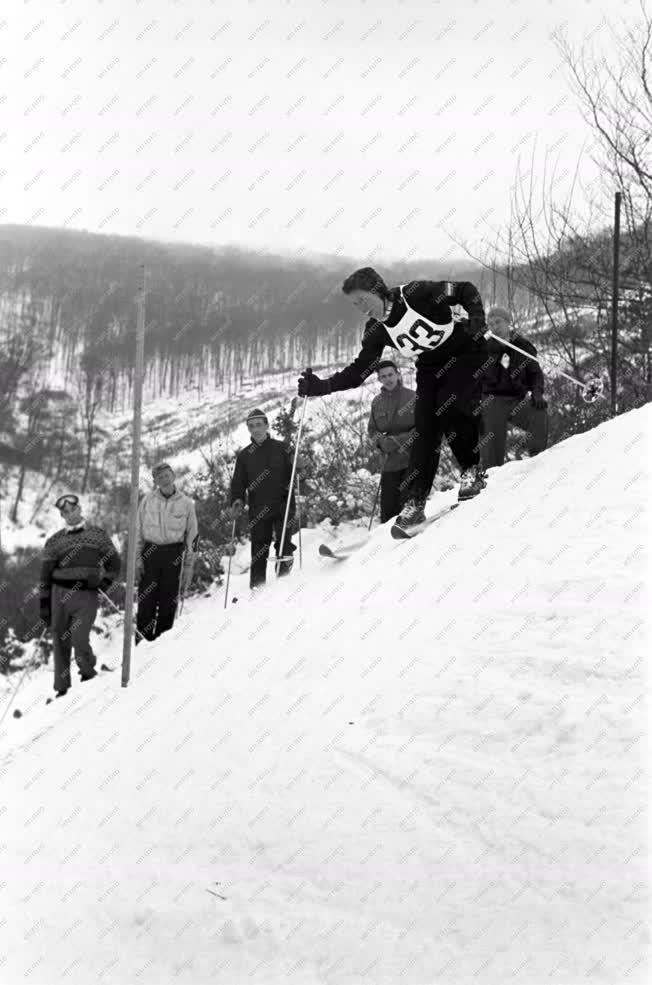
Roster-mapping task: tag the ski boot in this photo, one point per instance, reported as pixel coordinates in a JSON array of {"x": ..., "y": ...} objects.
[
  {"x": 472, "y": 481},
  {"x": 412, "y": 515}
]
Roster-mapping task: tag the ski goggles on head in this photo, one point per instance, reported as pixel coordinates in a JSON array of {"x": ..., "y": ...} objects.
[{"x": 69, "y": 499}]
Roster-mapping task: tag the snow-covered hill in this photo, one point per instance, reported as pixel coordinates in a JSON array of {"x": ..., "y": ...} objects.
[{"x": 426, "y": 764}]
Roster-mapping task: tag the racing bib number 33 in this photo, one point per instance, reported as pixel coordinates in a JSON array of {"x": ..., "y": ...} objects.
[{"x": 416, "y": 335}]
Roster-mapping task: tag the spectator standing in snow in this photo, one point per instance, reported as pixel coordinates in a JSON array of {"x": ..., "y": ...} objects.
[
  {"x": 165, "y": 552},
  {"x": 262, "y": 472},
  {"x": 417, "y": 320},
  {"x": 77, "y": 560},
  {"x": 512, "y": 393},
  {"x": 391, "y": 429}
]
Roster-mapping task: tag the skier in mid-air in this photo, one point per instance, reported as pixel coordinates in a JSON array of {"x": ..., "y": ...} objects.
[{"x": 416, "y": 318}]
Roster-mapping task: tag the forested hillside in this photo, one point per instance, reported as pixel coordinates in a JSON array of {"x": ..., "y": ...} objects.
[{"x": 214, "y": 317}]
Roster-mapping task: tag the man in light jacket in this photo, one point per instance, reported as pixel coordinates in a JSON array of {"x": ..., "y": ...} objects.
[
  {"x": 165, "y": 552},
  {"x": 391, "y": 428}
]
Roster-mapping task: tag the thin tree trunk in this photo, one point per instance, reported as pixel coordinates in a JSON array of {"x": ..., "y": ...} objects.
[{"x": 19, "y": 494}]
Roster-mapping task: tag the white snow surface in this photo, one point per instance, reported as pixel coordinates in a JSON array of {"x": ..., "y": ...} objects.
[{"x": 426, "y": 764}]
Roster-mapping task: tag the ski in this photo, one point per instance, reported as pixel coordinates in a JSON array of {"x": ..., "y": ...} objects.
[
  {"x": 343, "y": 552},
  {"x": 398, "y": 533}
]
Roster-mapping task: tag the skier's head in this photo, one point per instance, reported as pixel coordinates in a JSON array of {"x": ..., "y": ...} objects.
[
  {"x": 70, "y": 509},
  {"x": 258, "y": 425},
  {"x": 388, "y": 375},
  {"x": 499, "y": 321},
  {"x": 367, "y": 291},
  {"x": 163, "y": 477}
]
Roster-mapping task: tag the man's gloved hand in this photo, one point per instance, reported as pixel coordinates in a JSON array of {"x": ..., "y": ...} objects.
[
  {"x": 45, "y": 613},
  {"x": 237, "y": 507},
  {"x": 311, "y": 386},
  {"x": 387, "y": 444},
  {"x": 93, "y": 581},
  {"x": 538, "y": 400}
]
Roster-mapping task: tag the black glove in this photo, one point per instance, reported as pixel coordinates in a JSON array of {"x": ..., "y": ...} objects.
[
  {"x": 106, "y": 583},
  {"x": 45, "y": 613},
  {"x": 92, "y": 581},
  {"x": 538, "y": 401},
  {"x": 311, "y": 386}
]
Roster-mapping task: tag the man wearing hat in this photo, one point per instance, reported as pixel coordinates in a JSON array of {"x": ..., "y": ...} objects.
[
  {"x": 263, "y": 471},
  {"x": 512, "y": 388},
  {"x": 166, "y": 547},
  {"x": 77, "y": 561}
]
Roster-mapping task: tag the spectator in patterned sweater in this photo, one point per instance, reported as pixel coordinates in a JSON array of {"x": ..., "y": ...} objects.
[
  {"x": 77, "y": 561},
  {"x": 165, "y": 552}
]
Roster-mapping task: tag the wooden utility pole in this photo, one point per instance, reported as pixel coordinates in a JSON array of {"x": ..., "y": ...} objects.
[
  {"x": 614, "y": 307},
  {"x": 135, "y": 472}
]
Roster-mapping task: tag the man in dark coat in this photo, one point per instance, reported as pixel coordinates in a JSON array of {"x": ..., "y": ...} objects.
[
  {"x": 77, "y": 560},
  {"x": 391, "y": 428},
  {"x": 417, "y": 320},
  {"x": 262, "y": 472},
  {"x": 512, "y": 393}
]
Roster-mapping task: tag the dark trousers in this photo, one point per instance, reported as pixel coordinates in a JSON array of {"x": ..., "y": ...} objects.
[
  {"x": 447, "y": 405},
  {"x": 158, "y": 589},
  {"x": 263, "y": 532},
  {"x": 497, "y": 414},
  {"x": 73, "y": 615},
  {"x": 394, "y": 488}
]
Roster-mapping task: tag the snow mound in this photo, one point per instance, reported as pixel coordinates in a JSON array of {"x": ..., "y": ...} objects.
[{"x": 424, "y": 764}]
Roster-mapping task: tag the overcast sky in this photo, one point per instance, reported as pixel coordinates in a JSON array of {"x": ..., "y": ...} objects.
[{"x": 375, "y": 129}]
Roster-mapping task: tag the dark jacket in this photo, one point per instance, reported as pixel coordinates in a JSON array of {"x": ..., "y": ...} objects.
[
  {"x": 508, "y": 373},
  {"x": 392, "y": 414},
  {"x": 433, "y": 300},
  {"x": 264, "y": 472},
  {"x": 83, "y": 558}
]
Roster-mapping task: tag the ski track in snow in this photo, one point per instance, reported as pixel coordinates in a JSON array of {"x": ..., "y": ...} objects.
[{"x": 423, "y": 764}]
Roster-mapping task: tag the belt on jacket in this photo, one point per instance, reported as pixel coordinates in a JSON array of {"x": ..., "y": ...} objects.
[{"x": 173, "y": 543}]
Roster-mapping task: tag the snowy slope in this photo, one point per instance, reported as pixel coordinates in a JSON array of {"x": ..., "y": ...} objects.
[{"x": 423, "y": 765}]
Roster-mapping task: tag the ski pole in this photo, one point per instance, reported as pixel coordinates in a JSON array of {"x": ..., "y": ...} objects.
[
  {"x": 181, "y": 592},
  {"x": 373, "y": 509},
  {"x": 294, "y": 470},
  {"x": 22, "y": 678},
  {"x": 114, "y": 606},
  {"x": 299, "y": 520},
  {"x": 591, "y": 391},
  {"x": 228, "y": 573}
]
